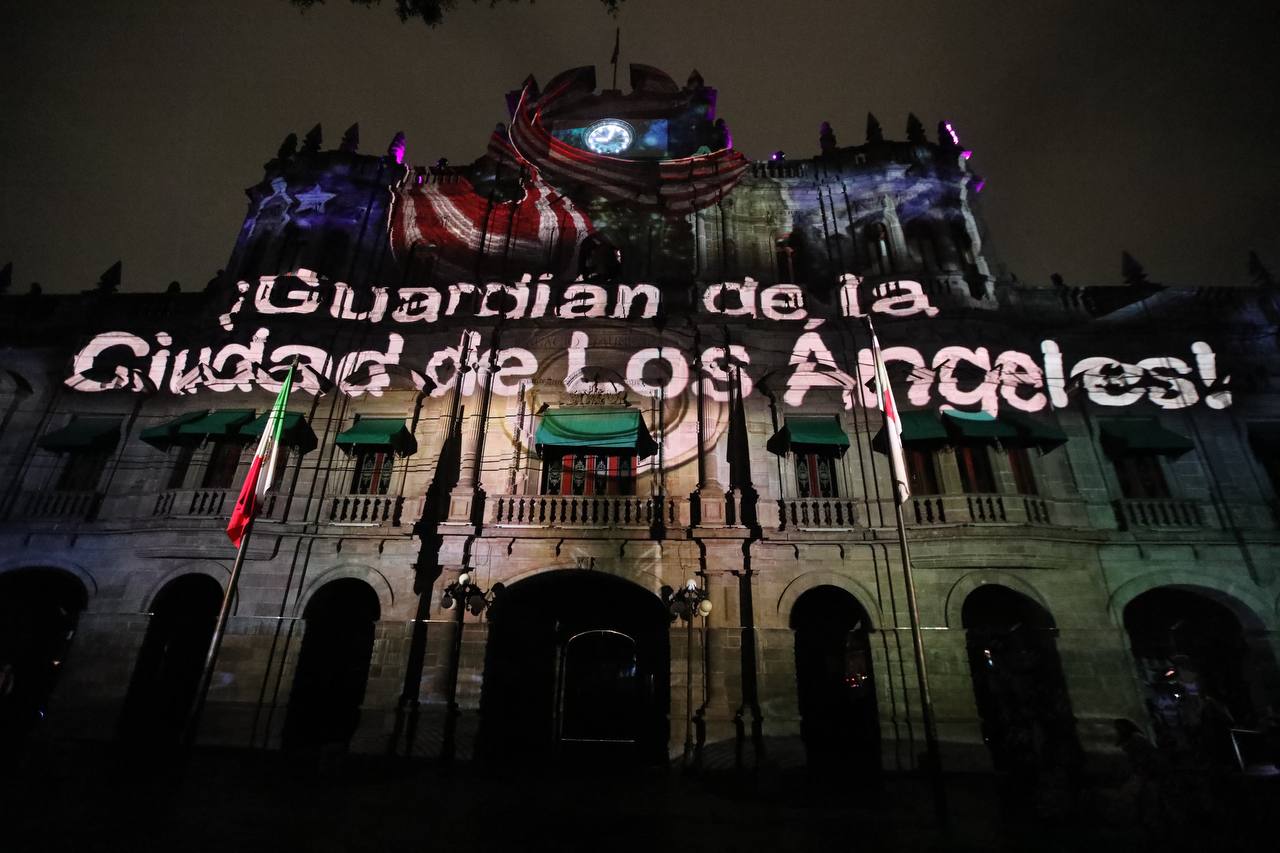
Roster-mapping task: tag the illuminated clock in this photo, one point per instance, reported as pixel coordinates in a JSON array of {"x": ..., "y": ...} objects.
[{"x": 609, "y": 136}]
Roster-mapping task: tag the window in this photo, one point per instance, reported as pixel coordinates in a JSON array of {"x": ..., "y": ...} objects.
[
  {"x": 1023, "y": 477},
  {"x": 224, "y": 459},
  {"x": 816, "y": 475},
  {"x": 82, "y": 471},
  {"x": 1265, "y": 441},
  {"x": 1141, "y": 476},
  {"x": 587, "y": 472},
  {"x": 373, "y": 471},
  {"x": 181, "y": 463},
  {"x": 922, "y": 476},
  {"x": 976, "y": 475}
]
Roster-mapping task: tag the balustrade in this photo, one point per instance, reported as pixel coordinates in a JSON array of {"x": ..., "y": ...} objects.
[
  {"x": 205, "y": 503},
  {"x": 818, "y": 513},
  {"x": 1156, "y": 513},
  {"x": 581, "y": 510},
  {"x": 57, "y": 504},
  {"x": 986, "y": 509},
  {"x": 364, "y": 509}
]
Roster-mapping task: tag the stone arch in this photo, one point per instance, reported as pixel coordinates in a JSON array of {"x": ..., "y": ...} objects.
[
  {"x": 622, "y": 569},
  {"x": 1250, "y": 607},
  {"x": 811, "y": 580},
  {"x": 86, "y": 579},
  {"x": 971, "y": 581},
  {"x": 376, "y": 580},
  {"x": 219, "y": 572}
]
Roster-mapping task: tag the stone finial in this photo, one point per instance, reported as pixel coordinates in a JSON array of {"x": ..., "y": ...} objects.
[
  {"x": 173, "y": 288},
  {"x": 915, "y": 130},
  {"x": 109, "y": 281},
  {"x": 947, "y": 135},
  {"x": 1257, "y": 270},
  {"x": 312, "y": 141},
  {"x": 875, "y": 133},
  {"x": 826, "y": 138},
  {"x": 350, "y": 140},
  {"x": 397, "y": 147},
  {"x": 288, "y": 148},
  {"x": 695, "y": 80},
  {"x": 36, "y": 289},
  {"x": 1132, "y": 271},
  {"x": 1057, "y": 280}
]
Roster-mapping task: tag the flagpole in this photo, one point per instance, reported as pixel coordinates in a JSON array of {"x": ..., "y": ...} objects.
[
  {"x": 899, "y": 478},
  {"x": 215, "y": 644},
  {"x": 248, "y": 503},
  {"x": 922, "y": 676},
  {"x": 617, "y": 42}
]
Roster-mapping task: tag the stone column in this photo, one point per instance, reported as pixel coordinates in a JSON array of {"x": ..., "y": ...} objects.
[{"x": 463, "y": 495}]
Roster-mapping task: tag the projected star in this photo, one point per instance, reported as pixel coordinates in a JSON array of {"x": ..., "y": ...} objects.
[{"x": 313, "y": 199}]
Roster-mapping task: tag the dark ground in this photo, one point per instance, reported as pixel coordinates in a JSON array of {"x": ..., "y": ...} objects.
[{"x": 93, "y": 798}]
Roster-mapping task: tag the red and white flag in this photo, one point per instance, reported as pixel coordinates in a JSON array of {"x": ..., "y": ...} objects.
[
  {"x": 892, "y": 422},
  {"x": 263, "y": 470}
]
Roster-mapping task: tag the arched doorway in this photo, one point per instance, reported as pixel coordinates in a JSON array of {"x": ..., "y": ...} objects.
[
  {"x": 171, "y": 659},
  {"x": 576, "y": 667},
  {"x": 836, "y": 688},
  {"x": 1018, "y": 684},
  {"x": 1188, "y": 648},
  {"x": 39, "y": 609},
  {"x": 333, "y": 665}
]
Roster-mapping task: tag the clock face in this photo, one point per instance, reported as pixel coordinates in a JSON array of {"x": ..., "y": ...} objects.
[{"x": 609, "y": 136}]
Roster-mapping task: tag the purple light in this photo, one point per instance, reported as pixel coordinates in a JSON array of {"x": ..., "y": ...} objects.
[
  {"x": 966, "y": 154},
  {"x": 955, "y": 138},
  {"x": 982, "y": 182}
]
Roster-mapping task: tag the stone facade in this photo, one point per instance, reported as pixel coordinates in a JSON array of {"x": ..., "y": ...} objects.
[{"x": 717, "y": 502}]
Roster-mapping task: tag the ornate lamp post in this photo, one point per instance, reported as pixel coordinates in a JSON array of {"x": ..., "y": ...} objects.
[
  {"x": 460, "y": 596},
  {"x": 687, "y": 603}
]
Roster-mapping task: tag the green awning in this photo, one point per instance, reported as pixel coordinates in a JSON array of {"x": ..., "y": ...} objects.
[
  {"x": 220, "y": 423},
  {"x": 922, "y": 426},
  {"x": 917, "y": 427},
  {"x": 978, "y": 426},
  {"x": 1035, "y": 431},
  {"x": 379, "y": 432},
  {"x": 595, "y": 427},
  {"x": 809, "y": 432},
  {"x": 1142, "y": 435},
  {"x": 163, "y": 435},
  {"x": 296, "y": 432},
  {"x": 83, "y": 434}
]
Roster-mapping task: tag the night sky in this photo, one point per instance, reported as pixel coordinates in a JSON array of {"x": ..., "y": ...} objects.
[{"x": 129, "y": 130}]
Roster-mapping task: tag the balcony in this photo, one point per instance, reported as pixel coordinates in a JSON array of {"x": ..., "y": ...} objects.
[
  {"x": 585, "y": 511},
  {"x": 56, "y": 505},
  {"x": 993, "y": 509},
  {"x": 364, "y": 510},
  {"x": 1157, "y": 514},
  {"x": 817, "y": 514},
  {"x": 207, "y": 503}
]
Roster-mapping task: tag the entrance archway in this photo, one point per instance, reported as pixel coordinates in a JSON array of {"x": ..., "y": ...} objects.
[
  {"x": 171, "y": 659},
  {"x": 576, "y": 666},
  {"x": 836, "y": 688},
  {"x": 333, "y": 665},
  {"x": 1018, "y": 683},
  {"x": 39, "y": 609},
  {"x": 1189, "y": 647}
]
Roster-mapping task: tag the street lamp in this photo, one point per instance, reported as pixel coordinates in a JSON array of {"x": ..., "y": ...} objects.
[
  {"x": 687, "y": 603},
  {"x": 460, "y": 596}
]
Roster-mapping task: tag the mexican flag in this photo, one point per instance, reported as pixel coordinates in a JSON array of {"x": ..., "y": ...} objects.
[
  {"x": 263, "y": 470},
  {"x": 892, "y": 423}
]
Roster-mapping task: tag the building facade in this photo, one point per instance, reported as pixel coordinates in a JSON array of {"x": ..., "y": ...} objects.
[{"x": 610, "y": 357}]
